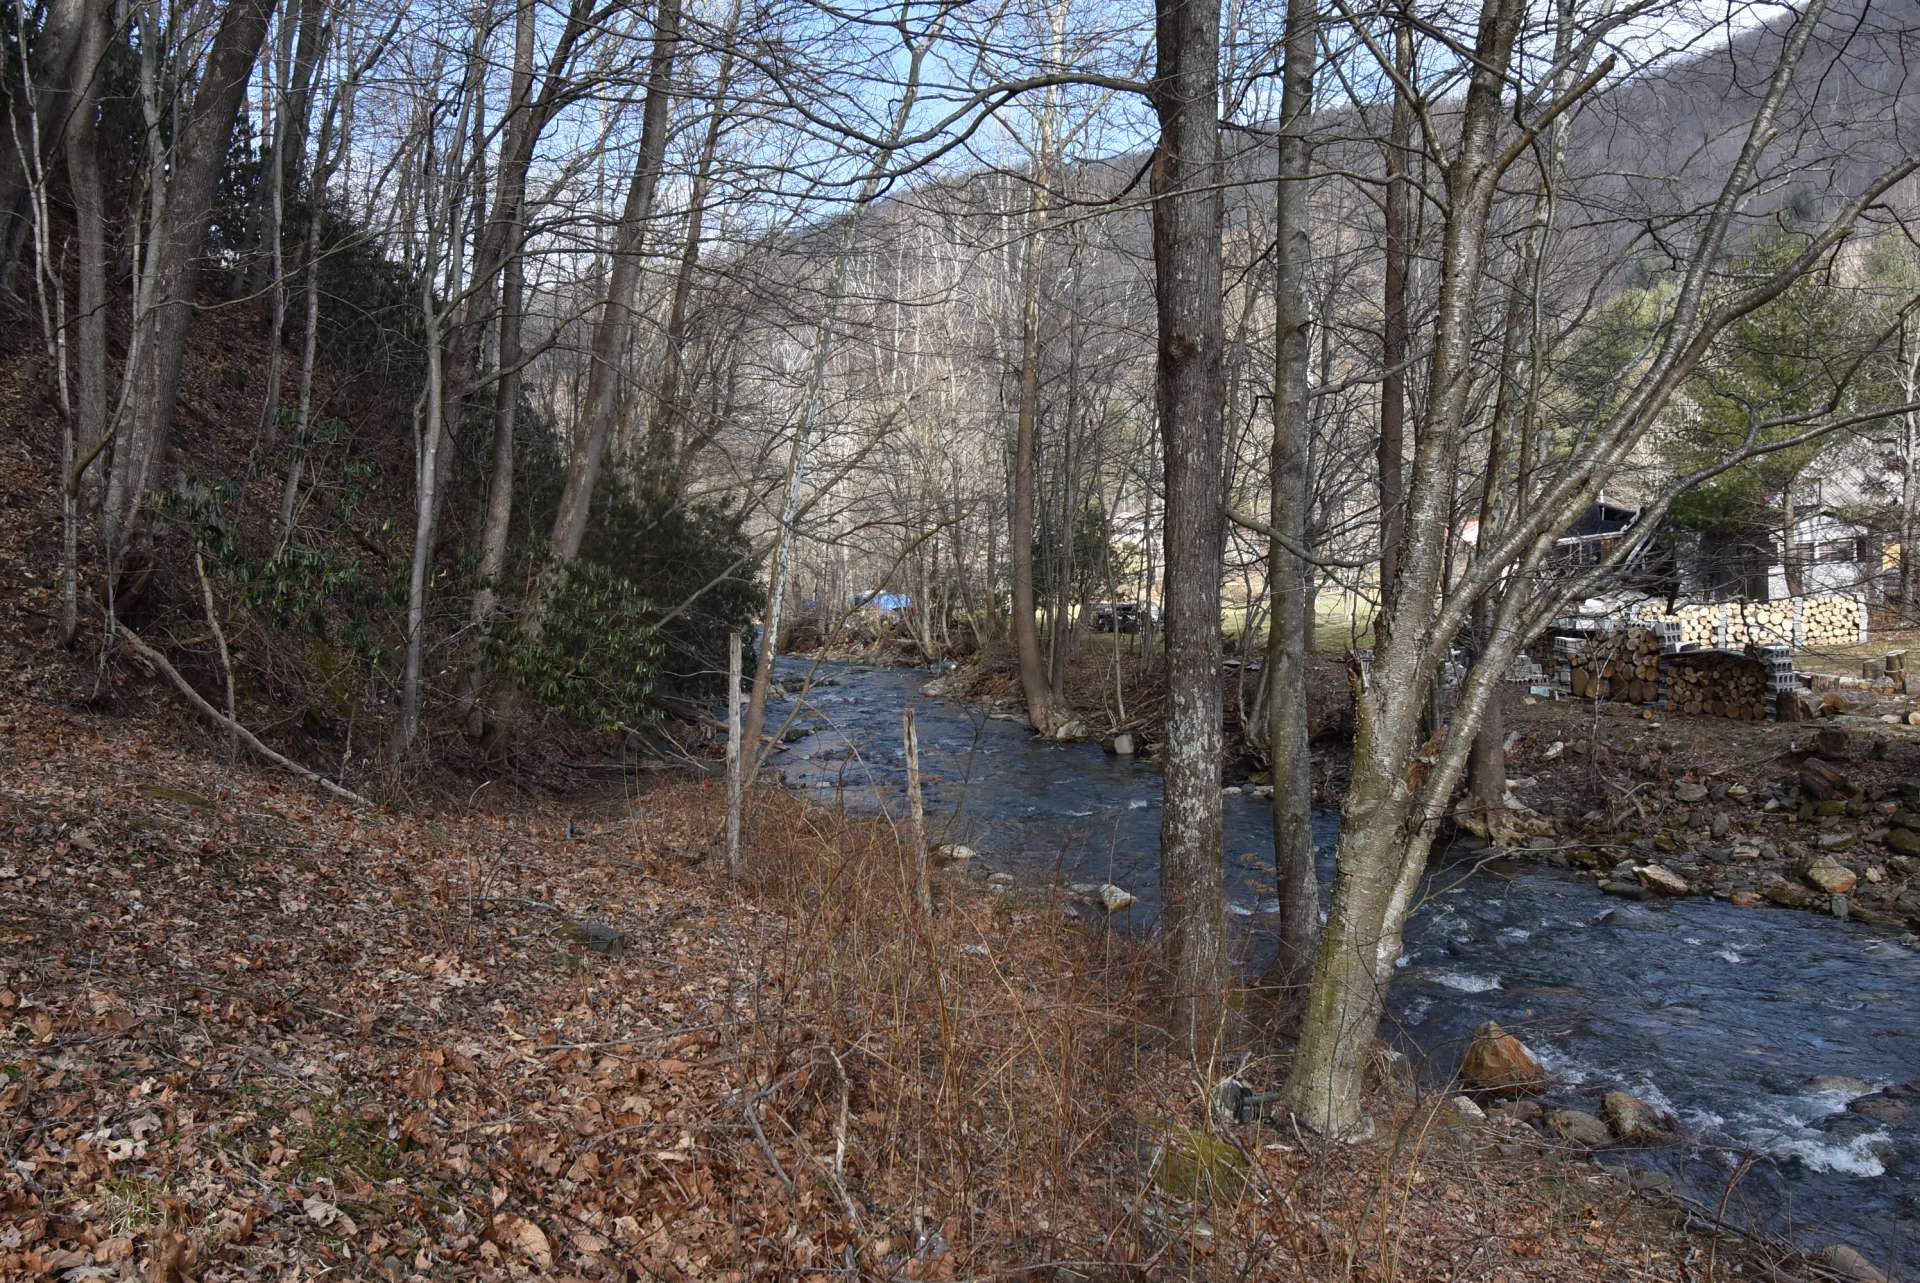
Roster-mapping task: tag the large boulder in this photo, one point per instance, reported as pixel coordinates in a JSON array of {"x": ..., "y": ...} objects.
[
  {"x": 1829, "y": 875},
  {"x": 1498, "y": 1062},
  {"x": 1634, "y": 1120}
]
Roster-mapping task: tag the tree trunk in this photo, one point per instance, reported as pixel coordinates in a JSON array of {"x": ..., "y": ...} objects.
[
  {"x": 1394, "y": 346},
  {"x": 1026, "y": 628},
  {"x": 1383, "y": 841},
  {"x": 56, "y": 74},
  {"x": 605, "y": 387},
  {"x": 661, "y": 468},
  {"x": 199, "y": 158},
  {"x": 1289, "y": 639},
  {"x": 1189, "y": 387},
  {"x": 90, "y": 218},
  {"x": 1909, "y": 475}
]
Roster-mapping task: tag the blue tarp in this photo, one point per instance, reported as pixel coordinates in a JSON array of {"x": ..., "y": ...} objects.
[{"x": 884, "y": 601}]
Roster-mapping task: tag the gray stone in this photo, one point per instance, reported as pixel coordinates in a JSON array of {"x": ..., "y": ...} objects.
[
  {"x": 1577, "y": 1127},
  {"x": 1120, "y": 745},
  {"x": 1881, "y": 1109},
  {"x": 1633, "y": 1119},
  {"x": 1850, "y": 1266},
  {"x": 1113, "y": 898},
  {"x": 1690, "y": 792},
  {"x": 1659, "y": 878},
  {"x": 1467, "y": 1109}
]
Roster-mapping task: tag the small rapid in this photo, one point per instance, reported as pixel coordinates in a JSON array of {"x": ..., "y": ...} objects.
[{"x": 1771, "y": 1035}]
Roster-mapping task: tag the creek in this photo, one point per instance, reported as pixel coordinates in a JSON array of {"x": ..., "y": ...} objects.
[{"x": 1744, "y": 1023}]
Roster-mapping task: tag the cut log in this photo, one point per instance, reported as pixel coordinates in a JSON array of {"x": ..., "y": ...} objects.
[{"x": 1822, "y": 782}]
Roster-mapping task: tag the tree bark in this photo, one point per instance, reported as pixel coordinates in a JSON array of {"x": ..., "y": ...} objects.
[
  {"x": 1394, "y": 346},
  {"x": 605, "y": 386},
  {"x": 199, "y": 157},
  {"x": 1289, "y": 637},
  {"x": 1026, "y": 627},
  {"x": 1383, "y": 840},
  {"x": 1189, "y": 387}
]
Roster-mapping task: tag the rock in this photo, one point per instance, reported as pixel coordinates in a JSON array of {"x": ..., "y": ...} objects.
[
  {"x": 1113, "y": 898},
  {"x": 1744, "y": 899},
  {"x": 1647, "y": 1181},
  {"x": 597, "y": 937},
  {"x": 1791, "y": 895},
  {"x": 1074, "y": 729},
  {"x": 1850, "y": 1265},
  {"x": 1467, "y": 1109},
  {"x": 1498, "y": 1062},
  {"x": 1626, "y": 890},
  {"x": 1519, "y": 1111},
  {"x": 1120, "y": 745},
  {"x": 1905, "y": 841},
  {"x": 1737, "y": 791},
  {"x": 1000, "y": 882},
  {"x": 1198, "y": 1168},
  {"x": 1838, "y": 1085},
  {"x": 1690, "y": 792},
  {"x": 1829, "y": 875},
  {"x": 1881, "y": 1109},
  {"x": 1577, "y": 1127},
  {"x": 1657, "y": 877},
  {"x": 1720, "y": 825},
  {"x": 1553, "y": 750},
  {"x": 1633, "y": 1119},
  {"x": 953, "y": 853},
  {"x": 1836, "y": 840}
]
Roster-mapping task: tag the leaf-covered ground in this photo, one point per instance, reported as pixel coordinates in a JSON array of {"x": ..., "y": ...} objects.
[{"x": 248, "y": 1032}]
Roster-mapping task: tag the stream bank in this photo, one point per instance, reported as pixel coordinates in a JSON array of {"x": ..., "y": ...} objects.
[{"x": 1737, "y": 1020}]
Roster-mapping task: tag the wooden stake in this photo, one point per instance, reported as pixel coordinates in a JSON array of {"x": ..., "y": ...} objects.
[
  {"x": 916, "y": 816},
  {"x": 733, "y": 756}
]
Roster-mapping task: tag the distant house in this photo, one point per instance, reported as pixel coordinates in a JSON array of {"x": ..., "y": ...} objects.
[{"x": 1833, "y": 552}]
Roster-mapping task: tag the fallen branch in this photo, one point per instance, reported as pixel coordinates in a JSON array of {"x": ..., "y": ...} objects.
[{"x": 228, "y": 724}]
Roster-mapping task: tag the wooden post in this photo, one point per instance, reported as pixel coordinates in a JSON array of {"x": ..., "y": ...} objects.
[
  {"x": 733, "y": 755},
  {"x": 916, "y": 816}
]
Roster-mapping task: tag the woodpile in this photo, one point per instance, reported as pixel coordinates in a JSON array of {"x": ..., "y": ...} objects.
[
  {"x": 1761, "y": 623},
  {"x": 1699, "y": 625},
  {"x": 1621, "y": 667},
  {"x": 1831, "y": 621},
  {"x": 1717, "y": 683}
]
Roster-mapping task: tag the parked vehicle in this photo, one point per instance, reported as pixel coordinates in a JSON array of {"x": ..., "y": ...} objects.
[{"x": 1120, "y": 616}]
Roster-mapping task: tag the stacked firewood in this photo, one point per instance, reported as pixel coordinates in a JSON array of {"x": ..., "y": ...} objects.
[
  {"x": 1831, "y": 621},
  {"x": 1717, "y": 683},
  {"x": 1623, "y": 667},
  {"x": 1699, "y": 625},
  {"x": 1760, "y": 623}
]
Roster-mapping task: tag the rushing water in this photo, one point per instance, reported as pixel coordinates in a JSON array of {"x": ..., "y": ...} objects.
[{"x": 1725, "y": 1016}]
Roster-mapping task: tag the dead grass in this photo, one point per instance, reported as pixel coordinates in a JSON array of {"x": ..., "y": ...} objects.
[{"x": 252, "y": 1032}]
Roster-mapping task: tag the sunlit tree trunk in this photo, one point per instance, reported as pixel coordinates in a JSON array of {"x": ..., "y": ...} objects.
[{"x": 1189, "y": 392}]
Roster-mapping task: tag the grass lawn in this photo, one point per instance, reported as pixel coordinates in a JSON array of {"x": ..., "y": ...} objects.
[{"x": 1333, "y": 630}]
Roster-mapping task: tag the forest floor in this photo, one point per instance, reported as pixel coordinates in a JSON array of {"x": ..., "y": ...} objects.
[{"x": 251, "y": 1031}]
